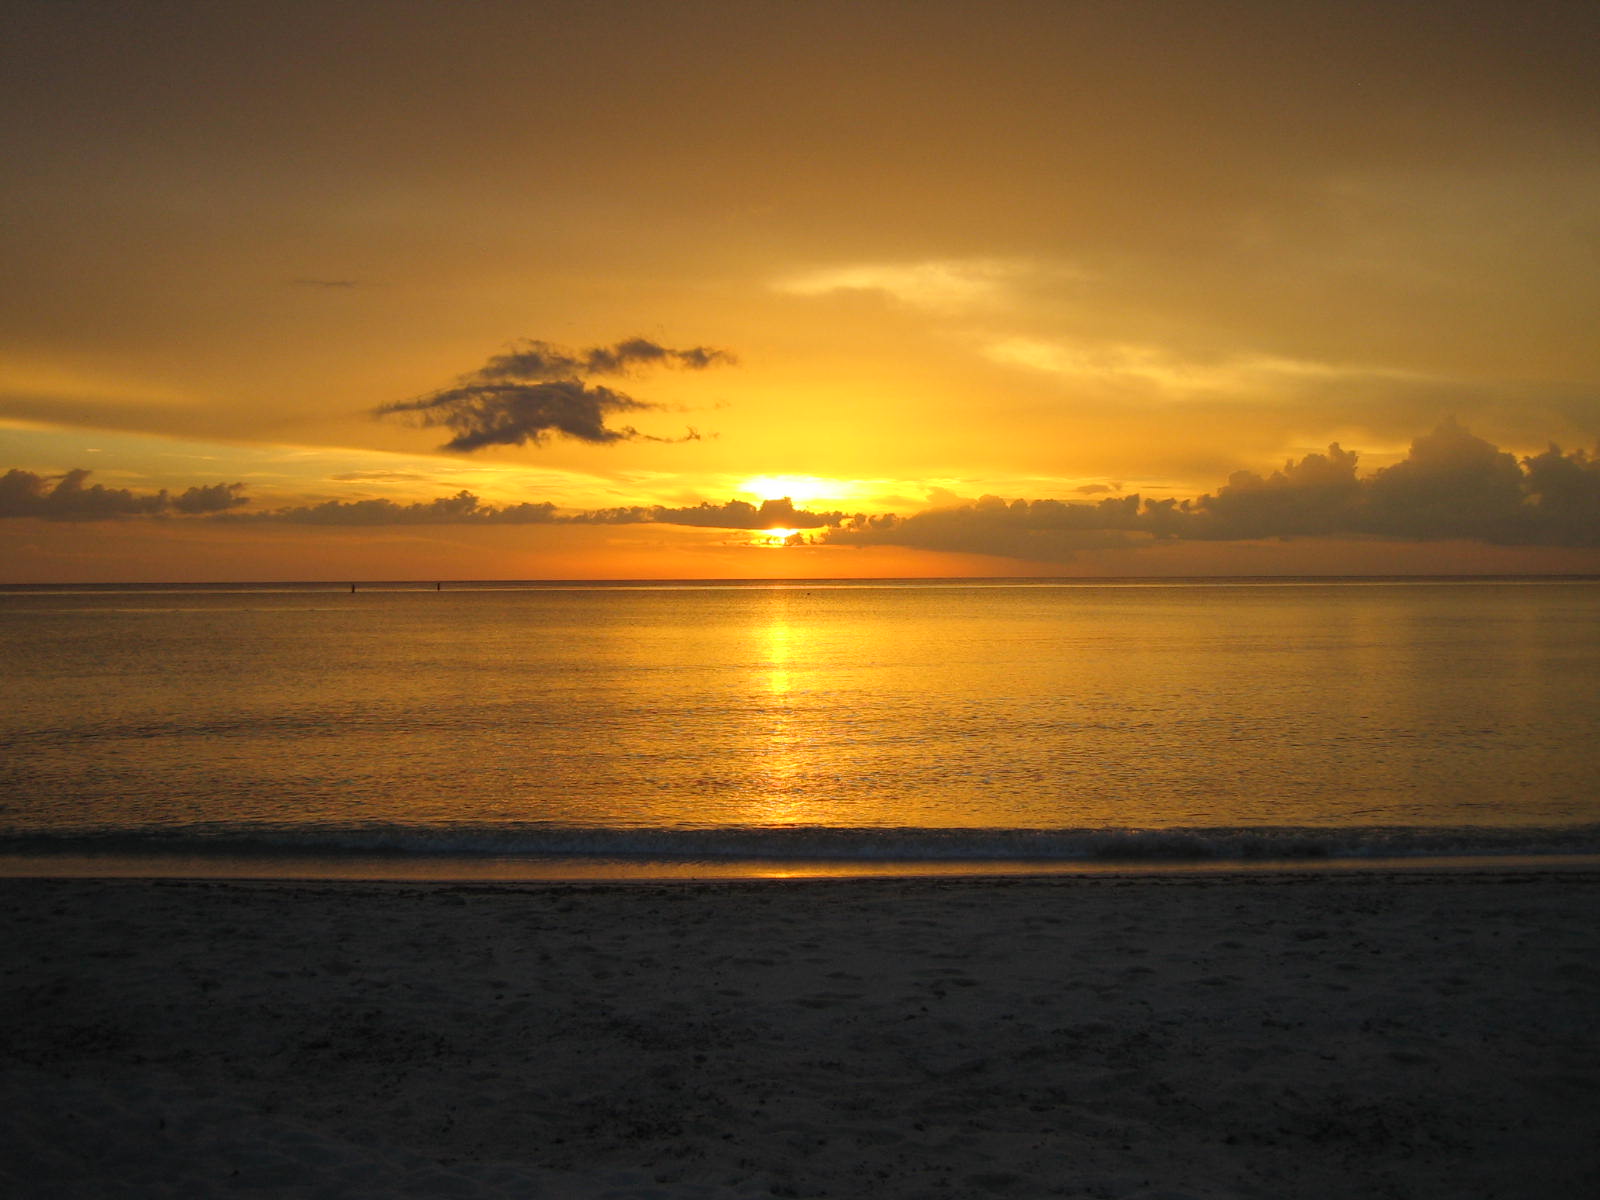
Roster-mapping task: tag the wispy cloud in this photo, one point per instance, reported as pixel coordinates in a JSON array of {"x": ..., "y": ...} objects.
[
  {"x": 535, "y": 390},
  {"x": 380, "y": 477},
  {"x": 1170, "y": 371},
  {"x": 942, "y": 285}
]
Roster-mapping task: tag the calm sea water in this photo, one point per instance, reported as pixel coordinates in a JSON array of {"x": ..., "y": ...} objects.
[{"x": 802, "y": 722}]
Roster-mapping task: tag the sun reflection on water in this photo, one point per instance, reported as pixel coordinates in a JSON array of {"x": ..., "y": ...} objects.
[{"x": 778, "y": 742}]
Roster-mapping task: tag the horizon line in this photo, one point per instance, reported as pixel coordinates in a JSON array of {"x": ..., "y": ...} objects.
[{"x": 422, "y": 583}]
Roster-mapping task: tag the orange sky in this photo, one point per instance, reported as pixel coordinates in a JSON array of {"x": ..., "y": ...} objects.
[{"x": 881, "y": 258}]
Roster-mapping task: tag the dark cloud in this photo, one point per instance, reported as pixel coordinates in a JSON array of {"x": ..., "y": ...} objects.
[
  {"x": 1451, "y": 485},
  {"x": 1320, "y": 494},
  {"x": 632, "y": 514},
  {"x": 735, "y": 514},
  {"x": 1565, "y": 492},
  {"x": 514, "y": 414},
  {"x": 464, "y": 508},
  {"x": 1039, "y": 530},
  {"x": 624, "y": 356},
  {"x": 66, "y": 498},
  {"x": 210, "y": 498},
  {"x": 740, "y": 514},
  {"x": 535, "y": 390},
  {"x": 530, "y": 360},
  {"x": 461, "y": 509}
]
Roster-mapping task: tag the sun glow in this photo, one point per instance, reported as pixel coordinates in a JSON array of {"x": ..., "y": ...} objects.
[
  {"x": 802, "y": 489},
  {"x": 774, "y": 539}
]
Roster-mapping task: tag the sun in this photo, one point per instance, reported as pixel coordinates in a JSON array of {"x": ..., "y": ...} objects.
[
  {"x": 802, "y": 489},
  {"x": 773, "y": 539}
]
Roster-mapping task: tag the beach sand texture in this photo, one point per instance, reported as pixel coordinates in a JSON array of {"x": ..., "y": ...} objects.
[{"x": 1410, "y": 1034}]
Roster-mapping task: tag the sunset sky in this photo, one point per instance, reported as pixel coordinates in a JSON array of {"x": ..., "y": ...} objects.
[{"x": 999, "y": 289}]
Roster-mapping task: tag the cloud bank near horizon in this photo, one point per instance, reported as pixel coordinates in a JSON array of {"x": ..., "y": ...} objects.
[
  {"x": 1451, "y": 485},
  {"x": 464, "y": 508},
  {"x": 65, "y": 498},
  {"x": 535, "y": 391}
]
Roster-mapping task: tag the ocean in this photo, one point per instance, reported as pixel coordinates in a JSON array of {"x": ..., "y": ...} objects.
[{"x": 548, "y": 730}]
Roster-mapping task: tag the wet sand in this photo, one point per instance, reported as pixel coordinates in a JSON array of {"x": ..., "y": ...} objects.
[{"x": 1411, "y": 1034}]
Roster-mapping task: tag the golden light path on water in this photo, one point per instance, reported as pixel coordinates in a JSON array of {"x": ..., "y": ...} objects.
[{"x": 779, "y": 743}]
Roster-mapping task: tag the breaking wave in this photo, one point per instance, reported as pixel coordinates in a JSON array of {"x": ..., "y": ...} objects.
[{"x": 813, "y": 843}]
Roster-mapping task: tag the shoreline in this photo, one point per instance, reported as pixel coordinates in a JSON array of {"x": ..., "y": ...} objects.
[
  {"x": 446, "y": 869},
  {"x": 1319, "y": 1033}
]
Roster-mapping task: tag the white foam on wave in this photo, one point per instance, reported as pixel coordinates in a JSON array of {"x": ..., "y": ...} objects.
[{"x": 814, "y": 843}]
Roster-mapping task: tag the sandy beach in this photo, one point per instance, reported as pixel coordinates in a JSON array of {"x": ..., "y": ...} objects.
[{"x": 1407, "y": 1034}]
